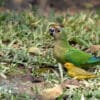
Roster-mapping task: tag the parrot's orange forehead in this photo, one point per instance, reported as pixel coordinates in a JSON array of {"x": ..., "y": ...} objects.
[{"x": 56, "y": 26}]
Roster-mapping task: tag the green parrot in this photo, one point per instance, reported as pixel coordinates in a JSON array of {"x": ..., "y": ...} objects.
[{"x": 64, "y": 52}]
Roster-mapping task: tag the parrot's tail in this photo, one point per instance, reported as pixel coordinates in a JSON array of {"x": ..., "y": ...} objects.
[{"x": 94, "y": 60}]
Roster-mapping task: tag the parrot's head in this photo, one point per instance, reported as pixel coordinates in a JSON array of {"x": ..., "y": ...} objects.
[
  {"x": 68, "y": 65},
  {"x": 55, "y": 30}
]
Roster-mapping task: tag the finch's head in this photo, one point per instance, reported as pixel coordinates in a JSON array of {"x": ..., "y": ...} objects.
[
  {"x": 55, "y": 30},
  {"x": 68, "y": 65}
]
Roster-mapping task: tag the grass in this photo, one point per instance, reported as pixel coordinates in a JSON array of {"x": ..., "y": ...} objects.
[{"x": 20, "y": 31}]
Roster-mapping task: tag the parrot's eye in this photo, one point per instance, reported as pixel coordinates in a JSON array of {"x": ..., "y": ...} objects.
[{"x": 58, "y": 30}]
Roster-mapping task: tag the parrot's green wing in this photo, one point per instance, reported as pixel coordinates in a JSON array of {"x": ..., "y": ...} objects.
[{"x": 77, "y": 57}]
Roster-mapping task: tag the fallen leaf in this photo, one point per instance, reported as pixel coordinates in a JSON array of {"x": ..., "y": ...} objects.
[
  {"x": 1, "y": 53},
  {"x": 71, "y": 84},
  {"x": 93, "y": 48},
  {"x": 35, "y": 51},
  {"x": 52, "y": 93},
  {"x": 3, "y": 75},
  {"x": 16, "y": 45}
]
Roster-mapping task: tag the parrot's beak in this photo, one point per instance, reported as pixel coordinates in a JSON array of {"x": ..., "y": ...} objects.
[{"x": 52, "y": 31}]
